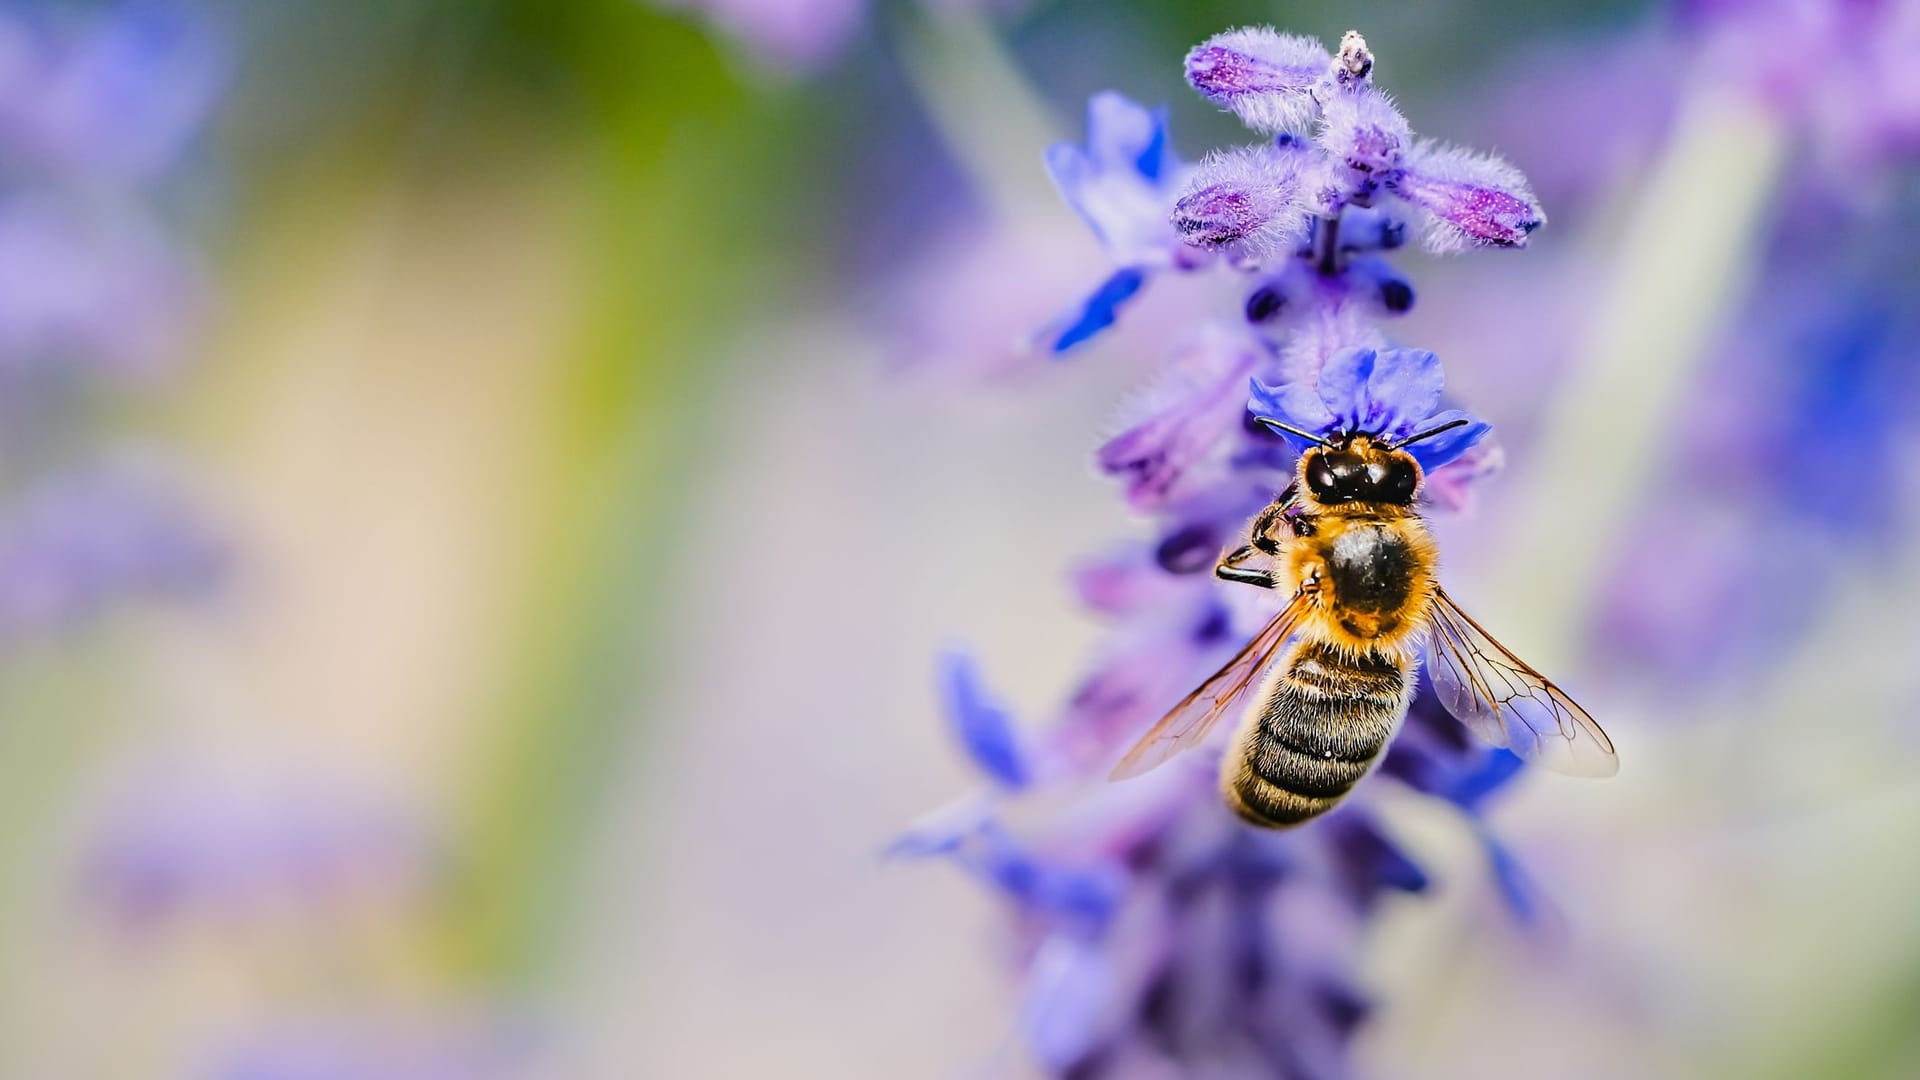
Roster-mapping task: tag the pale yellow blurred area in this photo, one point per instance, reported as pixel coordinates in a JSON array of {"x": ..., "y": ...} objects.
[{"x": 372, "y": 430}]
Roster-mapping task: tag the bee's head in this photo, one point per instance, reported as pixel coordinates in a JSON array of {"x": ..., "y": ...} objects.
[{"x": 1357, "y": 469}]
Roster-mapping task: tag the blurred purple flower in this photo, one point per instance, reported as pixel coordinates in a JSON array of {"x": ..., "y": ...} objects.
[
  {"x": 76, "y": 544},
  {"x": 98, "y": 107},
  {"x": 1176, "y": 447},
  {"x": 106, "y": 296},
  {"x": 1815, "y": 399},
  {"x": 1842, "y": 71},
  {"x": 112, "y": 98},
  {"x": 793, "y": 35},
  {"x": 194, "y": 846},
  {"x": 1156, "y": 934}
]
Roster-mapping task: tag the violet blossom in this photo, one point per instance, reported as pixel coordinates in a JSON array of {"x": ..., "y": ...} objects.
[
  {"x": 1154, "y": 934},
  {"x": 1122, "y": 184},
  {"x": 98, "y": 297}
]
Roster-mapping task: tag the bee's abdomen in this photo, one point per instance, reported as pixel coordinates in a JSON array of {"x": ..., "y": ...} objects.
[{"x": 1320, "y": 729}]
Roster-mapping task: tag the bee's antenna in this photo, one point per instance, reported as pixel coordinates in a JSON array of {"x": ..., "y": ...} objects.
[
  {"x": 1291, "y": 430},
  {"x": 1429, "y": 433}
]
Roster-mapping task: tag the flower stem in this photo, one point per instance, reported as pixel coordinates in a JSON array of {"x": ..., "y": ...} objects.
[
  {"x": 990, "y": 118},
  {"x": 1327, "y": 244}
]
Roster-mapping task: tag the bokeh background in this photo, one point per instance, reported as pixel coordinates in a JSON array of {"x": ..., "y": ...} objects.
[{"x": 486, "y": 484}]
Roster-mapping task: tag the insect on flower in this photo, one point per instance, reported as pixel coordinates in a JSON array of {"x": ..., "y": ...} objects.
[{"x": 1346, "y": 542}]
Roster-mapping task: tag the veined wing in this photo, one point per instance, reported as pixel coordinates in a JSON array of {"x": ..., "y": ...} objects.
[
  {"x": 1506, "y": 702},
  {"x": 1188, "y": 723}
]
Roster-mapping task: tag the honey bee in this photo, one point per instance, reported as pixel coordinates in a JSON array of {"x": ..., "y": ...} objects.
[{"x": 1345, "y": 540}]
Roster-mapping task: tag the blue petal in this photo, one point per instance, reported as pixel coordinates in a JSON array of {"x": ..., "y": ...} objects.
[
  {"x": 1154, "y": 158},
  {"x": 1066, "y": 1013},
  {"x": 985, "y": 729},
  {"x": 944, "y": 831},
  {"x": 1121, "y": 133},
  {"x": 1517, "y": 889},
  {"x": 1071, "y": 171},
  {"x": 1472, "y": 789},
  {"x": 1402, "y": 391},
  {"x": 1376, "y": 860},
  {"x": 1437, "y": 451},
  {"x": 1294, "y": 404},
  {"x": 1122, "y": 138},
  {"x": 1343, "y": 386},
  {"x": 1067, "y": 164},
  {"x": 1098, "y": 311},
  {"x": 1086, "y": 894}
]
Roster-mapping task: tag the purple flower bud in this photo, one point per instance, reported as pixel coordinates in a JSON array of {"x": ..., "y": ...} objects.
[
  {"x": 1265, "y": 78},
  {"x": 1127, "y": 579},
  {"x": 1366, "y": 134},
  {"x": 1246, "y": 201},
  {"x": 1472, "y": 200}
]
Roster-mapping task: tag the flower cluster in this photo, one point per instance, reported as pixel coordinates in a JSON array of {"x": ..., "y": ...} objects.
[
  {"x": 1307, "y": 214},
  {"x": 97, "y": 297},
  {"x": 1156, "y": 935},
  {"x": 1812, "y": 379}
]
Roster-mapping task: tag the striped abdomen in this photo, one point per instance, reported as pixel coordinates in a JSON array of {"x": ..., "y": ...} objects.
[{"x": 1321, "y": 726}]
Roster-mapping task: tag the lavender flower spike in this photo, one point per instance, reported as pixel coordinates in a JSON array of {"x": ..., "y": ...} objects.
[
  {"x": 1265, "y": 78},
  {"x": 1156, "y": 934},
  {"x": 1246, "y": 202},
  {"x": 1390, "y": 393},
  {"x": 1470, "y": 199}
]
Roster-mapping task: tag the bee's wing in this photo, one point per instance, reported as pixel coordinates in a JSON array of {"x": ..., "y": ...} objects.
[
  {"x": 1188, "y": 723},
  {"x": 1508, "y": 703}
]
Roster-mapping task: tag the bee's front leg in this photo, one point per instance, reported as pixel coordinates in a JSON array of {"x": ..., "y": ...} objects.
[
  {"x": 1229, "y": 569},
  {"x": 1268, "y": 537}
]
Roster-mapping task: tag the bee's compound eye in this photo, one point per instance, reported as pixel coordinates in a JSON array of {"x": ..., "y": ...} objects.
[
  {"x": 1398, "y": 479},
  {"x": 1320, "y": 478}
]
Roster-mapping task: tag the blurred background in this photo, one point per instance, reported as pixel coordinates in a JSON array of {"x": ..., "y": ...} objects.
[{"x": 485, "y": 484}]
